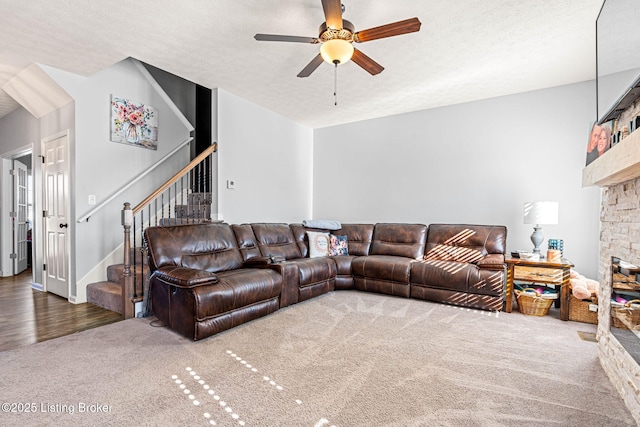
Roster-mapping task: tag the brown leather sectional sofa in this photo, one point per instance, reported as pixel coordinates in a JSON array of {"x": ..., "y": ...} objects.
[{"x": 211, "y": 277}]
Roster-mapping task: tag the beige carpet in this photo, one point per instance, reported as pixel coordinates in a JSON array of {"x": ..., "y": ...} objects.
[{"x": 343, "y": 359}]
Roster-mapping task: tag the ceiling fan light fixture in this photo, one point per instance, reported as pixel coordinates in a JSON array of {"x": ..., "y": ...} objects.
[{"x": 336, "y": 51}]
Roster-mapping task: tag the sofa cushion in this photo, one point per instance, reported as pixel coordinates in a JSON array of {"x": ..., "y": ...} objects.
[
  {"x": 492, "y": 262},
  {"x": 383, "y": 267},
  {"x": 236, "y": 289},
  {"x": 318, "y": 244},
  {"x": 339, "y": 245},
  {"x": 359, "y": 237},
  {"x": 209, "y": 247},
  {"x": 300, "y": 236},
  {"x": 449, "y": 275},
  {"x": 246, "y": 240},
  {"x": 276, "y": 239},
  {"x": 217, "y": 259},
  {"x": 403, "y": 240},
  {"x": 314, "y": 270},
  {"x": 343, "y": 264},
  {"x": 465, "y": 243},
  {"x": 382, "y": 273},
  {"x": 457, "y": 276}
]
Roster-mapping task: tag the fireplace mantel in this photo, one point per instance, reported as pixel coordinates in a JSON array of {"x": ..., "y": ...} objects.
[{"x": 619, "y": 164}]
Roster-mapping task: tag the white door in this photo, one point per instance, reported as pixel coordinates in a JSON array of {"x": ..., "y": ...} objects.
[
  {"x": 56, "y": 215},
  {"x": 19, "y": 217}
]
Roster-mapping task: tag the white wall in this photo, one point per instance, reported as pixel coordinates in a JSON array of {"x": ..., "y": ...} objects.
[
  {"x": 469, "y": 163},
  {"x": 101, "y": 167},
  {"x": 269, "y": 157}
]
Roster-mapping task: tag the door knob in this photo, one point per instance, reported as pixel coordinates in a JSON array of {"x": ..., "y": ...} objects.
[{"x": 64, "y": 225}]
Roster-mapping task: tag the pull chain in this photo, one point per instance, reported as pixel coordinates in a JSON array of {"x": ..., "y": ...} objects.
[{"x": 335, "y": 83}]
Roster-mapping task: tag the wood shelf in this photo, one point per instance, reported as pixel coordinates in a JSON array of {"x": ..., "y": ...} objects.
[{"x": 619, "y": 164}]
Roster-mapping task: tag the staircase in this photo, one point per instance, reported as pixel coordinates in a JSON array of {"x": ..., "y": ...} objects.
[
  {"x": 108, "y": 294},
  {"x": 186, "y": 198}
]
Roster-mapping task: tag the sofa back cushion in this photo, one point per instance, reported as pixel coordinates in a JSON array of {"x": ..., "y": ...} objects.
[
  {"x": 277, "y": 240},
  {"x": 209, "y": 247},
  {"x": 406, "y": 240},
  {"x": 359, "y": 237},
  {"x": 300, "y": 235},
  {"x": 464, "y": 242},
  {"x": 246, "y": 240}
]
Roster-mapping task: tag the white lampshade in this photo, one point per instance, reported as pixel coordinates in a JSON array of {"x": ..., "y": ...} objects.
[
  {"x": 336, "y": 50},
  {"x": 540, "y": 212}
]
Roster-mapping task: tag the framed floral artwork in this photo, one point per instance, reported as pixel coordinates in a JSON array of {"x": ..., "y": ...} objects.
[{"x": 134, "y": 123}]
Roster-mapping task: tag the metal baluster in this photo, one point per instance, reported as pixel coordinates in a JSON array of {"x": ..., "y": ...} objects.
[
  {"x": 199, "y": 191},
  {"x": 169, "y": 197},
  {"x": 162, "y": 205},
  {"x": 207, "y": 171},
  {"x": 182, "y": 197}
]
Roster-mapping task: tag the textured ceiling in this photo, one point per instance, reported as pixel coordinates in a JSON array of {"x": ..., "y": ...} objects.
[{"x": 466, "y": 49}]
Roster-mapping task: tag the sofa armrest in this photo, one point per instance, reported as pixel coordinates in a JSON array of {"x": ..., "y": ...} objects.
[
  {"x": 290, "y": 277},
  {"x": 264, "y": 260},
  {"x": 492, "y": 262},
  {"x": 183, "y": 277}
]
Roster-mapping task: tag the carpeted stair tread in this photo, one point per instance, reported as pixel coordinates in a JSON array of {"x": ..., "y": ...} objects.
[
  {"x": 115, "y": 273},
  {"x": 107, "y": 295},
  {"x": 139, "y": 255}
]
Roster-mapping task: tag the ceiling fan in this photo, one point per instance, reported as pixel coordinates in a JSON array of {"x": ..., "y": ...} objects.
[{"x": 337, "y": 35}]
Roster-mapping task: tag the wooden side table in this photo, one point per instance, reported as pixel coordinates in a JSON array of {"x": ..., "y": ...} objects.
[{"x": 543, "y": 271}]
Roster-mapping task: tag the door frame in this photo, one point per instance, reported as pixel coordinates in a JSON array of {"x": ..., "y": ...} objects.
[
  {"x": 6, "y": 184},
  {"x": 39, "y": 216},
  {"x": 20, "y": 212}
]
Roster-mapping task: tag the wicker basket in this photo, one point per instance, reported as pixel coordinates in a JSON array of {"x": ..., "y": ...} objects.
[
  {"x": 579, "y": 310},
  {"x": 533, "y": 304},
  {"x": 626, "y": 316}
]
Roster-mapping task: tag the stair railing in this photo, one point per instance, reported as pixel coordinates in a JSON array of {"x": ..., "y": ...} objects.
[
  {"x": 102, "y": 204},
  {"x": 185, "y": 198}
]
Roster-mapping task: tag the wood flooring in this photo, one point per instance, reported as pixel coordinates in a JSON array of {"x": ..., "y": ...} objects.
[{"x": 29, "y": 316}]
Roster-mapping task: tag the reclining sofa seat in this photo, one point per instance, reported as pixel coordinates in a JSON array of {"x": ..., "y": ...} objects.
[
  {"x": 394, "y": 248},
  {"x": 303, "y": 278},
  {"x": 359, "y": 241},
  {"x": 198, "y": 286},
  {"x": 463, "y": 265}
]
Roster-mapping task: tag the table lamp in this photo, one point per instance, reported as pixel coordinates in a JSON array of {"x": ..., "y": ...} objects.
[{"x": 539, "y": 213}]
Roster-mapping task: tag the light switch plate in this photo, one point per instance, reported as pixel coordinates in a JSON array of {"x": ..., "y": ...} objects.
[{"x": 92, "y": 199}]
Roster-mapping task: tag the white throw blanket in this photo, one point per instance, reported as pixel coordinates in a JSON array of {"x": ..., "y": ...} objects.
[{"x": 322, "y": 223}]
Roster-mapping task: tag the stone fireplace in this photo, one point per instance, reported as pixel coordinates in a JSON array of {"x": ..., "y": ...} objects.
[{"x": 619, "y": 237}]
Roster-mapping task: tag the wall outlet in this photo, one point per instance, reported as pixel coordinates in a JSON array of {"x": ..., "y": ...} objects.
[
  {"x": 231, "y": 184},
  {"x": 92, "y": 199}
]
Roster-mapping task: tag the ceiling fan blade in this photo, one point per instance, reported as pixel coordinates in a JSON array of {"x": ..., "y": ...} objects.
[
  {"x": 333, "y": 13},
  {"x": 389, "y": 30},
  {"x": 311, "y": 66},
  {"x": 279, "y": 38},
  {"x": 369, "y": 65}
]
